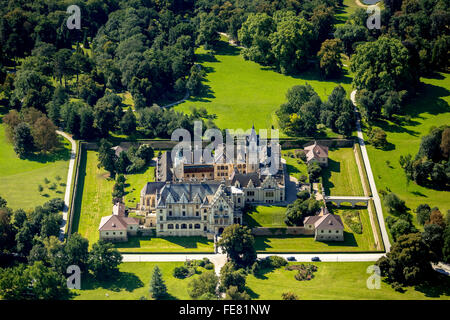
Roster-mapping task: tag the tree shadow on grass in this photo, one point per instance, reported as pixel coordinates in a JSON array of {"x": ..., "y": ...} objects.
[
  {"x": 223, "y": 48},
  {"x": 333, "y": 166},
  {"x": 79, "y": 191},
  {"x": 395, "y": 128},
  {"x": 184, "y": 242},
  {"x": 430, "y": 101},
  {"x": 122, "y": 281},
  {"x": 435, "y": 288},
  {"x": 205, "y": 57},
  {"x": 253, "y": 295}
]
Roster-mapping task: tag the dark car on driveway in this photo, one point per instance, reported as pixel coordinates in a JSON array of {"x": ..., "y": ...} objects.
[
  {"x": 315, "y": 259},
  {"x": 291, "y": 259}
]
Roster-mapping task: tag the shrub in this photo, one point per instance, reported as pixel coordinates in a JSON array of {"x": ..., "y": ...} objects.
[
  {"x": 181, "y": 272},
  {"x": 305, "y": 271},
  {"x": 353, "y": 220},
  {"x": 209, "y": 266},
  {"x": 289, "y": 296}
]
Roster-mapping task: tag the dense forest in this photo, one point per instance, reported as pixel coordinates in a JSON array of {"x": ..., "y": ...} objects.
[{"x": 77, "y": 78}]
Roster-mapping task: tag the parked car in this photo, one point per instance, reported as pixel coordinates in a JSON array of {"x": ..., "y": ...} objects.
[
  {"x": 315, "y": 259},
  {"x": 291, "y": 259}
]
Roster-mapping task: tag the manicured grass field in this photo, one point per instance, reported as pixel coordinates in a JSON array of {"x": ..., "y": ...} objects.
[
  {"x": 134, "y": 185},
  {"x": 265, "y": 216},
  {"x": 134, "y": 282},
  {"x": 430, "y": 109},
  {"x": 295, "y": 166},
  {"x": 19, "y": 179},
  {"x": 166, "y": 244},
  {"x": 352, "y": 242},
  {"x": 344, "y": 13},
  {"x": 94, "y": 201},
  {"x": 341, "y": 177},
  {"x": 337, "y": 281},
  {"x": 242, "y": 93}
]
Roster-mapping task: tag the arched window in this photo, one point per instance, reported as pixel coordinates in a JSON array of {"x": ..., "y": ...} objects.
[
  {"x": 197, "y": 226},
  {"x": 183, "y": 226}
]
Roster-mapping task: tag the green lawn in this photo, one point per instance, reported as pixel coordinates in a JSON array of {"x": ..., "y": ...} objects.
[
  {"x": 133, "y": 283},
  {"x": 19, "y": 179},
  {"x": 430, "y": 109},
  {"x": 344, "y": 13},
  {"x": 265, "y": 216},
  {"x": 134, "y": 185},
  {"x": 247, "y": 89},
  {"x": 295, "y": 166},
  {"x": 352, "y": 242},
  {"x": 341, "y": 177},
  {"x": 337, "y": 281},
  {"x": 166, "y": 244},
  {"x": 94, "y": 200}
]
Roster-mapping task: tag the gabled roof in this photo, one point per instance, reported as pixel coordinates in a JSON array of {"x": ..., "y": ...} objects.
[
  {"x": 119, "y": 209},
  {"x": 328, "y": 222},
  {"x": 316, "y": 151},
  {"x": 116, "y": 223}
]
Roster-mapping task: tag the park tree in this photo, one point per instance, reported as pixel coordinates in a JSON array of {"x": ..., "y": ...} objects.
[
  {"x": 314, "y": 171},
  {"x": 44, "y": 135},
  {"x": 104, "y": 260},
  {"x": 408, "y": 262},
  {"x": 394, "y": 204},
  {"x": 7, "y": 228},
  {"x": 433, "y": 237},
  {"x": 238, "y": 243},
  {"x": 382, "y": 64},
  {"x": 254, "y": 36},
  {"x": 423, "y": 212},
  {"x": 436, "y": 218},
  {"x": 45, "y": 283},
  {"x": 291, "y": 42},
  {"x": 377, "y": 137},
  {"x": 350, "y": 34},
  {"x": 23, "y": 140},
  {"x": 86, "y": 116},
  {"x": 230, "y": 275},
  {"x": 195, "y": 81},
  {"x": 105, "y": 115},
  {"x": 76, "y": 251},
  {"x": 323, "y": 21},
  {"x": 204, "y": 286},
  {"x": 107, "y": 157},
  {"x": 297, "y": 211},
  {"x": 128, "y": 122},
  {"x": 233, "y": 293},
  {"x": 207, "y": 30},
  {"x": 62, "y": 66},
  {"x": 446, "y": 245},
  {"x": 330, "y": 57},
  {"x": 31, "y": 89},
  {"x": 158, "y": 289}
]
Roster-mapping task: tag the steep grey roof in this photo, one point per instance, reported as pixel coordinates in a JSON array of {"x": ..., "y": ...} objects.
[
  {"x": 245, "y": 178},
  {"x": 164, "y": 167},
  {"x": 315, "y": 151},
  {"x": 152, "y": 187},
  {"x": 329, "y": 222},
  {"x": 182, "y": 192}
]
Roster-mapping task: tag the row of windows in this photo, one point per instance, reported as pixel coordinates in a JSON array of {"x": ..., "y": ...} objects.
[
  {"x": 329, "y": 231},
  {"x": 120, "y": 233},
  {"x": 182, "y": 226}
]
